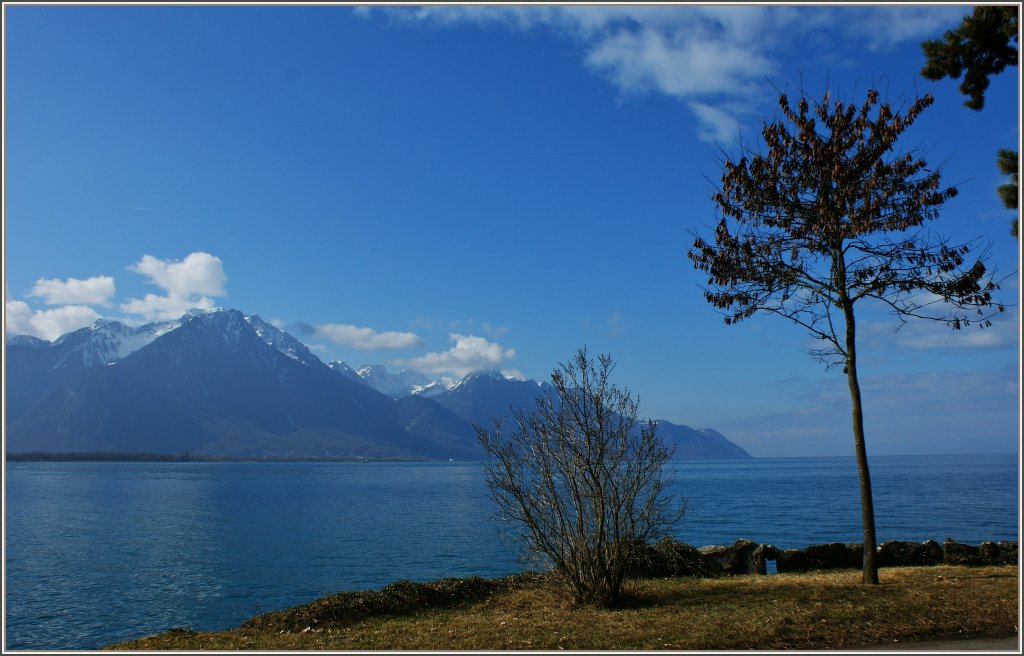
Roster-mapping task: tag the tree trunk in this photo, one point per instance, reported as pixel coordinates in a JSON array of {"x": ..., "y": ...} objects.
[{"x": 867, "y": 504}]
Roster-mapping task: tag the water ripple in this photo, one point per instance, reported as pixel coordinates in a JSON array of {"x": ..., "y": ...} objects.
[{"x": 103, "y": 552}]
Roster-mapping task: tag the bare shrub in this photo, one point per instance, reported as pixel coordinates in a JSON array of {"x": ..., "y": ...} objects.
[{"x": 581, "y": 480}]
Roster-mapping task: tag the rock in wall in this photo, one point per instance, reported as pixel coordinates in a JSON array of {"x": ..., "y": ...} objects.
[{"x": 673, "y": 558}]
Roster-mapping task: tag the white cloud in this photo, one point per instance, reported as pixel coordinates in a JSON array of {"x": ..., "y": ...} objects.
[
  {"x": 714, "y": 58},
  {"x": 161, "y": 308},
  {"x": 470, "y": 353},
  {"x": 18, "y": 317},
  {"x": 914, "y": 412},
  {"x": 886, "y": 27},
  {"x": 97, "y": 290},
  {"x": 188, "y": 284},
  {"x": 692, "y": 53},
  {"x": 681, "y": 64},
  {"x": 1003, "y": 333},
  {"x": 714, "y": 125},
  {"x": 922, "y": 334},
  {"x": 198, "y": 274},
  {"x": 366, "y": 339},
  {"x": 49, "y": 324}
]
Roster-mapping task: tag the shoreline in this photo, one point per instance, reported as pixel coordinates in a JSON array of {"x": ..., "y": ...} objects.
[
  {"x": 100, "y": 456},
  {"x": 667, "y": 562},
  {"x": 666, "y": 559},
  {"x": 814, "y": 610}
]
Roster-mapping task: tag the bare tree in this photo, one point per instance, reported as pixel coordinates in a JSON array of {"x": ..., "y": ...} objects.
[
  {"x": 581, "y": 480},
  {"x": 827, "y": 218}
]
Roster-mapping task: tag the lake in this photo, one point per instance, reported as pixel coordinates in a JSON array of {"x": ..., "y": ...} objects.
[{"x": 104, "y": 552}]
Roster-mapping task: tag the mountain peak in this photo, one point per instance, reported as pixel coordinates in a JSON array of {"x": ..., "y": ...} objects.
[
  {"x": 282, "y": 341},
  {"x": 107, "y": 341},
  {"x": 222, "y": 384},
  {"x": 396, "y": 385},
  {"x": 198, "y": 312},
  {"x": 372, "y": 369},
  {"x": 488, "y": 374},
  {"x": 488, "y": 378},
  {"x": 342, "y": 368},
  {"x": 27, "y": 340},
  {"x": 433, "y": 388},
  {"x": 216, "y": 382}
]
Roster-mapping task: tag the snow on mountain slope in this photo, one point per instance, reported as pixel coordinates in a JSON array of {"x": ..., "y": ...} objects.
[
  {"x": 395, "y": 385},
  {"x": 348, "y": 372},
  {"x": 486, "y": 377},
  {"x": 220, "y": 382},
  {"x": 433, "y": 388},
  {"x": 282, "y": 341},
  {"x": 214, "y": 386},
  {"x": 482, "y": 396},
  {"x": 106, "y": 341}
]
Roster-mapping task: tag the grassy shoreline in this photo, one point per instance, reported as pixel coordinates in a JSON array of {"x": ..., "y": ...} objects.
[{"x": 824, "y": 610}]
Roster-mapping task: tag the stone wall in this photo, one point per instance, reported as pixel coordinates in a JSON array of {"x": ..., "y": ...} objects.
[{"x": 673, "y": 558}]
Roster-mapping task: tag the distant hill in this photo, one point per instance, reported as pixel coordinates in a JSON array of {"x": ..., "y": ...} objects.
[{"x": 698, "y": 444}]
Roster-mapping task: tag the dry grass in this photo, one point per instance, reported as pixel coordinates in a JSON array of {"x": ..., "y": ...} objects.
[{"x": 787, "y": 611}]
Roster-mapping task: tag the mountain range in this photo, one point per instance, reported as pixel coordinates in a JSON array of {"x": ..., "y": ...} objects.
[{"x": 222, "y": 383}]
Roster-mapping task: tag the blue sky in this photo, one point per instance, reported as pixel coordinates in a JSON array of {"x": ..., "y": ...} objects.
[{"x": 452, "y": 188}]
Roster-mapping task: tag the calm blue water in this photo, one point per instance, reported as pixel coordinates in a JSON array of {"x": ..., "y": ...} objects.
[{"x": 102, "y": 552}]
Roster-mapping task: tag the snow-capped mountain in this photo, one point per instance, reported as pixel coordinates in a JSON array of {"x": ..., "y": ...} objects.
[
  {"x": 395, "y": 385},
  {"x": 221, "y": 382},
  {"x": 434, "y": 387},
  {"x": 214, "y": 385},
  {"x": 280, "y": 340},
  {"x": 106, "y": 341},
  {"x": 408, "y": 382},
  {"x": 36, "y": 366},
  {"x": 345, "y": 370},
  {"x": 483, "y": 396},
  {"x": 488, "y": 377}
]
